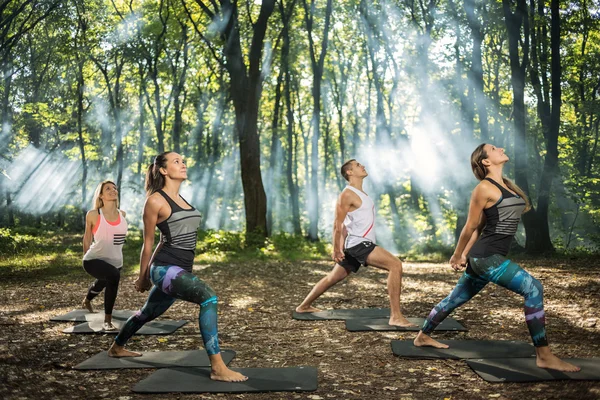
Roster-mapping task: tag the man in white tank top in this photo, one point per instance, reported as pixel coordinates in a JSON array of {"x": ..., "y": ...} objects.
[{"x": 354, "y": 244}]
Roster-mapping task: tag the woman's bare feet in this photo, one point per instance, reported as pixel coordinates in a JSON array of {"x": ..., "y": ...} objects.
[
  {"x": 119, "y": 351},
  {"x": 86, "y": 304},
  {"x": 422, "y": 340},
  {"x": 224, "y": 374},
  {"x": 400, "y": 321},
  {"x": 545, "y": 359},
  {"x": 301, "y": 309}
]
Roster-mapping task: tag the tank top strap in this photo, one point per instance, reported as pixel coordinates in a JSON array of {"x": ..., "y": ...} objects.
[
  {"x": 502, "y": 189},
  {"x": 174, "y": 206},
  {"x": 355, "y": 190}
]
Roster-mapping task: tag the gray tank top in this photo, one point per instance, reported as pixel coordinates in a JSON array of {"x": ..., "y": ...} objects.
[{"x": 179, "y": 234}]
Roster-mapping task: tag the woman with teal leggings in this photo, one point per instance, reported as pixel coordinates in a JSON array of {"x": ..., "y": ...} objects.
[
  {"x": 169, "y": 269},
  {"x": 494, "y": 213}
]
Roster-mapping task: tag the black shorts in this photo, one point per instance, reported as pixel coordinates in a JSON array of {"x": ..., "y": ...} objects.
[{"x": 356, "y": 256}]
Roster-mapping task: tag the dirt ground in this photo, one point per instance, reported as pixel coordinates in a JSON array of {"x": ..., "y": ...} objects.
[{"x": 255, "y": 304}]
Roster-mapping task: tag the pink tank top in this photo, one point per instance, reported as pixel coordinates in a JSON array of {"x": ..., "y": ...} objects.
[{"x": 109, "y": 238}]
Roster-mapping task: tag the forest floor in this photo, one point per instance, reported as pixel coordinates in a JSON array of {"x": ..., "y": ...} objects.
[{"x": 256, "y": 299}]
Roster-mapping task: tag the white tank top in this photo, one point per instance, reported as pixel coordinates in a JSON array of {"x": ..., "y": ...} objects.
[
  {"x": 360, "y": 223},
  {"x": 108, "y": 241}
]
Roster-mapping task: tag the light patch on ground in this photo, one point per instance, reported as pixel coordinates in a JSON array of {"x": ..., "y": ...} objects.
[{"x": 244, "y": 302}]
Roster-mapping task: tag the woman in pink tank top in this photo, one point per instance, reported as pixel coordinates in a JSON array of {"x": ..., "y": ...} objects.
[{"x": 105, "y": 231}]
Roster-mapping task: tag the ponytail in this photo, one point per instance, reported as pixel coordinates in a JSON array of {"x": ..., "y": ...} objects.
[{"x": 155, "y": 181}]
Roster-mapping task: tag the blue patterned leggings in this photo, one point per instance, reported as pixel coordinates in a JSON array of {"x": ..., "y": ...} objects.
[
  {"x": 170, "y": 283},
  {"x": 502, "y": 272}
]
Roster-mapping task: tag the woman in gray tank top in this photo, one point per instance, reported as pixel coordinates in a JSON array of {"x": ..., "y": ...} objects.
[
  {"x": 484, "y": 242},
  {"x": 169, "y": 268}
]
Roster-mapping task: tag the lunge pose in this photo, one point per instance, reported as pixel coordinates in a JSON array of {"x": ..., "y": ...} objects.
[
  {"x": 354, "y": 244},
  {"x": 494, "y": 213},
  {"x": 170, "y": 267},
  {"x": 103, "y": 257}
]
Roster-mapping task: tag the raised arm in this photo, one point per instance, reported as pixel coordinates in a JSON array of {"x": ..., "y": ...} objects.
[{"x": 479, "y": 199}]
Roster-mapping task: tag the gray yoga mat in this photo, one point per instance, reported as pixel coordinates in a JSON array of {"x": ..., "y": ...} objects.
[
  {"x": 343, "y": 314},
  {"x": 463, "y": 349},
  {"x": 525, "y": 370},
  {"x": 197, "y": 380},
  {"x": 153, "y": 359},
  {"x": 156, "y": 327},
  {"x": 381, "y": 324},
  {"x": 84, "y": 315}
]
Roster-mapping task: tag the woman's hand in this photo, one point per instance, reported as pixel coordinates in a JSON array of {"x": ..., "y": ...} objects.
[
  {"x": 142, "y": 284},
  {"x": 458, "y": 262}
]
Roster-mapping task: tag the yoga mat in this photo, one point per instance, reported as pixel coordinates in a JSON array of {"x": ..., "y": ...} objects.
[
  {"x": 197, "y": 380},
  {"x": 343, "y": 314},
  {"x": 82, "y": 315},
  {"x": 525, "y": 370},
  {"x": 463, "y": 349},
  {"x": 153, "y": 359},
  {"x": 156, "y": 327},
  {"x": 378, "y": 324}
]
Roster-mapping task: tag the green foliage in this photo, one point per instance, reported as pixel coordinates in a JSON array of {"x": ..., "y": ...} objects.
[{"x": 14, "y": 243}]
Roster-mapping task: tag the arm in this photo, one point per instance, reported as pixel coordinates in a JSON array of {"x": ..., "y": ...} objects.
[
  {"x": 475, "y": 235},
  {"x": 150, "y": 217},
  {"x": 88, "y": 236},
  {"x": 339, "y": 230},
  {"x": 479, "y": 199}
]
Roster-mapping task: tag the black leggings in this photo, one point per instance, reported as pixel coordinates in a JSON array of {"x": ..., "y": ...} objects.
[{"x": 107, "y": 277}]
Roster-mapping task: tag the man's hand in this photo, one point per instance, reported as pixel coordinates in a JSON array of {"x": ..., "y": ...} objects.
[
  {"x": 337, "y": 256},
  {"x": 458, "y": 262},
  {"x": 142, "y": 284}
]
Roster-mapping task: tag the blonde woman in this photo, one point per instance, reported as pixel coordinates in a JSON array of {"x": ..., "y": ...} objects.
[{"x": 105, "y": 230}]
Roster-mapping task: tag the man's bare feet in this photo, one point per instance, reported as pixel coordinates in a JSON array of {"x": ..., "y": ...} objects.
[
  {"x": 301, "y": 309},
  {"x": 422, "y": 340},
  {"x": 119, "y": 351},
  {"x": 86, "y": 304},
  {"x": 548, "y": 360},
  {"x": 226, "y": 375},
  {"x": 401, "y": 321}
]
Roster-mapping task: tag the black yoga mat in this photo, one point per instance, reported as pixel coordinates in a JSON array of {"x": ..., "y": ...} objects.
[
  {"x": 525, "y": 370},
  {"x": 379, "y": 324},
  {"x": 84, "y": 315},
  {"x": 463, "y": 349},
  {"x": 197, "y": 380},
  {"x": 156, "y": 327},
  {"x": 153, "y": 359},
  {"x": 343, "y": 314}
]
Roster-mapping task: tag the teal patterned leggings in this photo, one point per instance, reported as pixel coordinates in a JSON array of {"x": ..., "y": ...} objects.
[
  {"x": 170, "y": 283},
  {"x": 502, "y": 272}
]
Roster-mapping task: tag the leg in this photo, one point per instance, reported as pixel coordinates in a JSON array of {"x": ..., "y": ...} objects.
[
  {"x": 337, "y": 274},
  {"x": 157, "y": 303},
  {"x": 95, "y": 269},
  {"x": 468, "y": 286},
  {"x": 516, "y": 279},
  {"x": 184, "y": 285},
  {"x": 113, "y": 277},
  {"x": 383, "y": 259}
]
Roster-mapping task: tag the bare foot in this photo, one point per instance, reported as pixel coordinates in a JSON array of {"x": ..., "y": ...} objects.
[
  {"x": 226, "y": 375},
  {"x": 87, "y": 305},
  {"x": 422, "y": 340},
  {"x": 301, "y": 309},
  {"x": 401, "y": 321},
  {"x": 552, "y": 362},
  {"x": 117, "y": 351}
]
